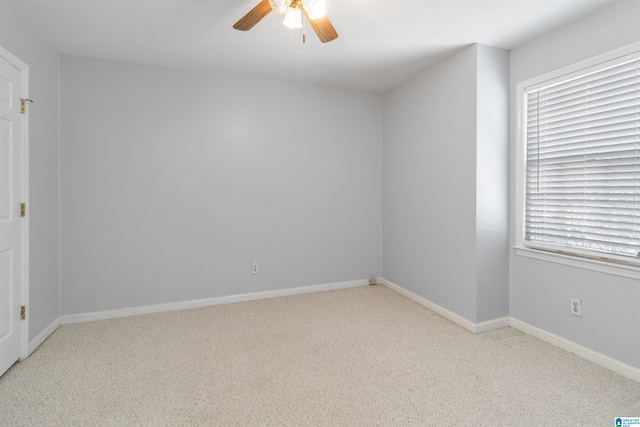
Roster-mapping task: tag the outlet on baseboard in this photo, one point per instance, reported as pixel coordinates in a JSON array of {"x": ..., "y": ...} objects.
[{"x": 576, "y": 307}]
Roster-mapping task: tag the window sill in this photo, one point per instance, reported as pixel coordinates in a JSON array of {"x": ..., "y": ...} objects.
[{"x": 623, "y": 270}]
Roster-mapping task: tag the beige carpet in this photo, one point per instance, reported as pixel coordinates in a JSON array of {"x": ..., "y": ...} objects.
[{"x": 357, "y": 357}]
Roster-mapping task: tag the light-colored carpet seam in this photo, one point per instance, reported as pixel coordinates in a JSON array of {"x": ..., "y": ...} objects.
[{"x": 356, "y": 357}]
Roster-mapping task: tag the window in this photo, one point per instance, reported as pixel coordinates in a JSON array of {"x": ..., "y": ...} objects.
[{"x": 579, "y": 154}]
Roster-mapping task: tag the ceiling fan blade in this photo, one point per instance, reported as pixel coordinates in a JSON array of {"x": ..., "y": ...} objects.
[
  {"x": 322, "y": 27},
  {"x": 253, "y": 17}
]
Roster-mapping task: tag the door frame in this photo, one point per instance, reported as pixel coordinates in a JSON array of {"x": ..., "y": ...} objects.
[{"x": 24, "y": 192}]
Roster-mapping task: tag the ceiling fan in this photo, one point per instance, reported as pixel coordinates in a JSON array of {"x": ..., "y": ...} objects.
[{"x": 314, "y": 10}]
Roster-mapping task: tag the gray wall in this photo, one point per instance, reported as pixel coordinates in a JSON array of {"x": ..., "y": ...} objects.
[
  {"x": 540, "y": 291},
  {"x": 428, "y": 184},
  {"x": 492, "y": 188},
  {"x": 174, "y": 182},
  {"x": 17, "y": 36},
  {"x": 444, "y": 186}
]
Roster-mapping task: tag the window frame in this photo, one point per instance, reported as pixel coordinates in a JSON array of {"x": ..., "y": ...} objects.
[{"x": 612, "y": 264}]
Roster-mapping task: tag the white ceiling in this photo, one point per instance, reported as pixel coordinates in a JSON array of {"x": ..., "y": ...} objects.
[{"x": 380, "y": 43}]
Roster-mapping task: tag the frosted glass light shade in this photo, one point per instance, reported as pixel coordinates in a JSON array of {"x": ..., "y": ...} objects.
[
  {"x": 279, "y": 6},
  {"x": 293, "y": 18}
]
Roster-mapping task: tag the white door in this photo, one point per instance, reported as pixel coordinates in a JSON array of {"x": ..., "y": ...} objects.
[{"x": 12, "y": 193}]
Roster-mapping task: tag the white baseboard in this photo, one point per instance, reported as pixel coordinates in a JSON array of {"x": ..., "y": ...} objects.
[
  {"x": 584, "y": 352},
  {"x": 207, "y": 302},
  {"x": 490, "y": 325},
  {"x": 43, "y": 335},
  {"x": 476, "y": 328}
]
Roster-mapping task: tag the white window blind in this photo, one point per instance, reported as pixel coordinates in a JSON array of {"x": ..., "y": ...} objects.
[{"x": 583, "y": 162}]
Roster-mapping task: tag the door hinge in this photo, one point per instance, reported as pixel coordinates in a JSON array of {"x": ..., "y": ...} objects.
[
  {"x": 23, "y": 209},
  {"x": 23, "y": 312},
  {"x": 23, "y": 104}
]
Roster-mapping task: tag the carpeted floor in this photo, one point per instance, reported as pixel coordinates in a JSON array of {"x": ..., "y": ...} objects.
[{"x": 356, "y": 357}]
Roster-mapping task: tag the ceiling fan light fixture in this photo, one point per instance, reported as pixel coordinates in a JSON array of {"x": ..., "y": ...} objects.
[
  {"x": 312, "y": 9},
  {"x": 293, "y": 18}
]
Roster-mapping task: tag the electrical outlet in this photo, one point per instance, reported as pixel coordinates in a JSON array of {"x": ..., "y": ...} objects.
[
  {"x": 576, "y": 307},
  {"x": 254, "y": 268}
]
